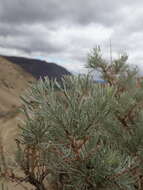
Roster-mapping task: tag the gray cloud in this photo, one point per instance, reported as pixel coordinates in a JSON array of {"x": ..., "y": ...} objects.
[
  {"x": 65, "y": 30},
  {"x": 81, "y": 11}
]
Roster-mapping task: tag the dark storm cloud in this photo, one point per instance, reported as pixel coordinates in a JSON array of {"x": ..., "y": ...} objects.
[
  {"x": 25, "y": 11},
  {"x": 80, "y": 11}
]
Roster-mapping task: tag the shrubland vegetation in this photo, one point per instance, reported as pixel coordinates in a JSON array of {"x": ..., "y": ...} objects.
[{"x": 83, "y": 135}]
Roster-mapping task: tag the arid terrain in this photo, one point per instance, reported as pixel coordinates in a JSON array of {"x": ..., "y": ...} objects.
[{"x": 14, "y": 79}]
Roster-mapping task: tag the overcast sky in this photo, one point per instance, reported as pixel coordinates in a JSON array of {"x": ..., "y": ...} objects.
[{"x": 64, "y": 31}]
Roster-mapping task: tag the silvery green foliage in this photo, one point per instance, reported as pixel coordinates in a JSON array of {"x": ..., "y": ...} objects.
[{"x": 88, "y": 135}]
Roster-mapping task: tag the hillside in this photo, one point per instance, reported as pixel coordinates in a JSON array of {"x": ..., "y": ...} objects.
[
  {"x": 39, "y": 68},
  {"x": 17, "y": 72},
  {"x": 15, "y": 75}
]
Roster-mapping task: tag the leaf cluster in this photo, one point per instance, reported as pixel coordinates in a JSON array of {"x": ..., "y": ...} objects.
[{"x": 86, "y": 135}]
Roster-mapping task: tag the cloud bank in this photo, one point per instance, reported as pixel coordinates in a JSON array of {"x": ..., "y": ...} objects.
[{"x": 64, "y": 31}]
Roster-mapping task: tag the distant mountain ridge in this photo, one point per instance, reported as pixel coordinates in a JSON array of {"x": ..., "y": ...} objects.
[{"x": 39, "y": 68}]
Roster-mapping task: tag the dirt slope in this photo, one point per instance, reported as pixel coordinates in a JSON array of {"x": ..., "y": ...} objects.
[
  {"x": 15, "y": 75},
  {"x": 13, "y": 81}
]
